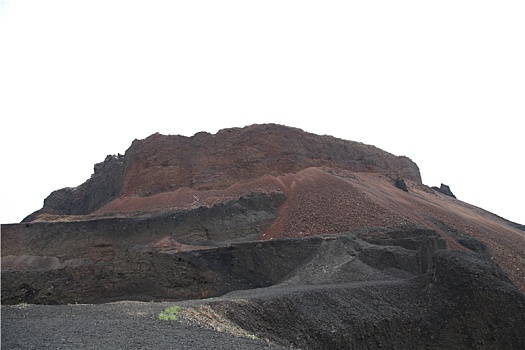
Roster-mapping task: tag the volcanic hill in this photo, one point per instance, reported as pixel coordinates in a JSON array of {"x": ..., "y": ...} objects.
[{"x": 342, "y": 237}]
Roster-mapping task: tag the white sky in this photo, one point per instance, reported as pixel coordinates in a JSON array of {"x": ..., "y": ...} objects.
[{"x": 442, "y": 82}]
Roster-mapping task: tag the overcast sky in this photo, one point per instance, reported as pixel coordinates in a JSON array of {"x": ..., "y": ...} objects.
[{"x": 441, "y": 82}]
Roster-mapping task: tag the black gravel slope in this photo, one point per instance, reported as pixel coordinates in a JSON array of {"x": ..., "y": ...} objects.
[{"x": 121, "y": 325}]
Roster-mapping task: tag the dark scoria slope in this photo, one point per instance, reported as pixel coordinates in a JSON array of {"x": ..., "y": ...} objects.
[
  {"x": 456, "y": 305},
  {"x": 312, "y": 236}
]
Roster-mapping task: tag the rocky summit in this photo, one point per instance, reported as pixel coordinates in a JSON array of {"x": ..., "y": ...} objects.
[{"x": 307, "y": 241}]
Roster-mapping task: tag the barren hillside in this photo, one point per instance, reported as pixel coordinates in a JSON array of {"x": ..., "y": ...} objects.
[{"x": 288, "y": 212}]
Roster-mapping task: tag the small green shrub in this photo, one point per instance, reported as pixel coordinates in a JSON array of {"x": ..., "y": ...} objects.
[{"x": 170, "y": 314}]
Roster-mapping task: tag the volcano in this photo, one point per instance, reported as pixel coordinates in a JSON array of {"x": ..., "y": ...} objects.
[{"x": 329, "y": 243}]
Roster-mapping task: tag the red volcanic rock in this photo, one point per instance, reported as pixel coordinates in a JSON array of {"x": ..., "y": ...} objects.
[{"x": 204, "y": 162}]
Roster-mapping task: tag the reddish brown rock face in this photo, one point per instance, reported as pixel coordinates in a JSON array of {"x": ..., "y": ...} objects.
[{"x": 204, "y": 162}]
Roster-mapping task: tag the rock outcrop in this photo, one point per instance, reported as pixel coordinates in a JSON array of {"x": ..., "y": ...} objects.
[
  {"x": 445, "y": 190},
  {"x": 104, "y": 185},
  {"x": 164, "y": 163}
]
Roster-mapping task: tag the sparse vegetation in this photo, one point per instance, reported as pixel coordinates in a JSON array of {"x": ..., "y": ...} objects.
[
  {"x": 22, "y": 305},
  {"x": 170, "y": 314},
  {"x": 207, "y": 317}
]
